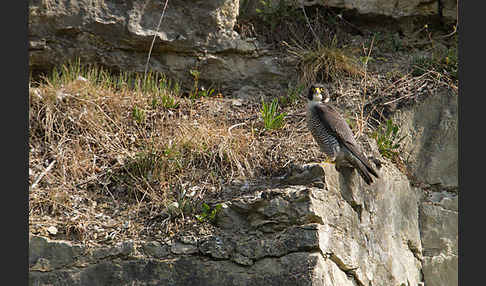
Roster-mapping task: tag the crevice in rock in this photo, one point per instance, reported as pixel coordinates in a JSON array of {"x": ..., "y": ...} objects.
[
  {"x": 347, "y": 177},
  {"x": 310, "y": 251},
  {"x": 349, "y": 271},
  {"x": 440, "y": 7},
  {"x": 415, "y": 251},
  {"x": 443, "y": 208},
  {"x": 357, "y": 208},
  {"x": 422, "y": 277},
  {"x": 78, "y": 264}
]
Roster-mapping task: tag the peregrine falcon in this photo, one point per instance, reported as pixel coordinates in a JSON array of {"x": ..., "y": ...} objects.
[{"x": 334, "y": 136}]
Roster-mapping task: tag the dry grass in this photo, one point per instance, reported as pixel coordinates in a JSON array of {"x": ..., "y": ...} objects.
[
  {"x": 118, "y": 160},
  {"x": 324, "y": 63}
]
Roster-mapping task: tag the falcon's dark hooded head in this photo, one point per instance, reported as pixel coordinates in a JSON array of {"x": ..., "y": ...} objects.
[{"x": 318, "y": 92}]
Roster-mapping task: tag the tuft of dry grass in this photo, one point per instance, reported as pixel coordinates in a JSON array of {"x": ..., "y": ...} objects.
[{"x": 324, "y": 62}]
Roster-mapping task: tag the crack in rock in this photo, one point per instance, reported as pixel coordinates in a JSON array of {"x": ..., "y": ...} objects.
[{"x": 350, "y": 271}]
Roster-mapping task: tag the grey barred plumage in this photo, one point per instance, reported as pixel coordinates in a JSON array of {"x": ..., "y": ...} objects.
[
  {"x": 327, "y": 142},
  {"x": 334, "y": 136}
]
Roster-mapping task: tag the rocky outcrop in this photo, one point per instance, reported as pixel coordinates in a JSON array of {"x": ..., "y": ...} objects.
[
  {"x": 433, "y": 162},
  {"x": 439, "y": 232},
  {"x": 395, "y": 8},
  {"x": 195, "y": 35},
  {"x": 340, "y": 232},
  {"x": 432, "y": 142}
]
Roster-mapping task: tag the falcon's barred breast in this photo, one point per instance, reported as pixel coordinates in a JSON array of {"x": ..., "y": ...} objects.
[{"x": 334, "y": 136}]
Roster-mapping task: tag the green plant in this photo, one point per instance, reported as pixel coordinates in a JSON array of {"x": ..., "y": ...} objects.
[
  {"x": 421, "y": 64},
  {"x": 165, "y": 100},
  {"x": 147, "y": 165},
  {"x": 194, "y": 92},
  {"x": 450, "y": 62},
  {"x": 444, "y": 62},
  {"x": 197, "y": 92},
  {"x": 366, "y": 59},
  {"x": 182, "y": 203},
  {"x": 207, "y": 213},
  {"x": 388, "y": 139},
  {"x": 292, "y": 95},
  {"x": 68, "y": 72},
  {"x": 206, "y": 92},
  {"x": 351, "y": 122},
  {"x": 169, "y": 101},
  {"x": 138, "y": 114},
  {"x": 388, "y": 42},
  {"x": 271, "y": 118},
  {"x": 173, "y": 156},
  {"x": 108, "y": 80}
]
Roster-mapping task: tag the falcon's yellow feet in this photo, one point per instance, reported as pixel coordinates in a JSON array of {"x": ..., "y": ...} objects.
[{"x": 327, "y": 161}]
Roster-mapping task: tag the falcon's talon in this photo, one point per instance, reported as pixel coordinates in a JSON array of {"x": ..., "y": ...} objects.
[{"x": 327, "y": 163}]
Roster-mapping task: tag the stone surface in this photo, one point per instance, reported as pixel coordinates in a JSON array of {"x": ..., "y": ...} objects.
[
  {"x": 345, "y": 233},
  {"x": 432, "y": 144},
  {"x": 432, "y": 148},
  {"x": 182, "y": 248},
  {"x": 342, "y": 232},
  {"x": 439, "y": 231},
  {"x": 193, "y": 35},
  {"x": 383, "y": 239},
  {"x": 186, "y": 270},
  {"x": 395, "y": 8},
  {"x": 155, "y": 249},
  {"x": 124, "y": 248},
  {"x": 46, "y": 255},
  {"x": 441, "y": 270}
]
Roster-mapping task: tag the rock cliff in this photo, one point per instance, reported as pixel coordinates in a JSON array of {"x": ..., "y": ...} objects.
[
  {"x": 193, "y": 35},
  {"x": 338, "y": 231}
]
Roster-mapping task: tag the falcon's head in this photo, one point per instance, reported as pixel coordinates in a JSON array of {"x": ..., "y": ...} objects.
[{"x": 317, "y": 91}]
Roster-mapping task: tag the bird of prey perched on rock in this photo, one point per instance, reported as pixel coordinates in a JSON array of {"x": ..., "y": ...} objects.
[{"x": 334, "y": 136}]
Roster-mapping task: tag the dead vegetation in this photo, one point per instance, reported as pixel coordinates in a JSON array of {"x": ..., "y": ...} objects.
[
  {"x": 324, "y": 63},
  {"x": 118, "y": 160}
]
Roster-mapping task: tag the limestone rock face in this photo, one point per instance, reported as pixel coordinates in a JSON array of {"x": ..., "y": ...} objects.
[
  {"x": 343, "y": 233},
  {"x": 193, "y": 35},
  {"x": 439, "y": 232},
  {"x": 118, "y": 34},
  {"x": 433, "y": 153},
  {"x": 395, "y": 8},
  {"x": 386, "y": 229},
  {"x": 433, "y": 142}
]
